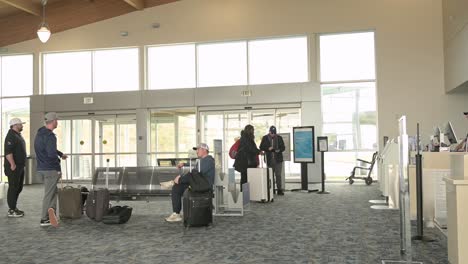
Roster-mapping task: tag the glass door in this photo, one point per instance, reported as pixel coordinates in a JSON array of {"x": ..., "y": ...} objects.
[
  {"x": 227, "y": 126},
  {"x": 91, "y": 140}
]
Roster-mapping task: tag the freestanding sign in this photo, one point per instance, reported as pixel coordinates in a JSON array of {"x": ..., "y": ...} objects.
[
  {"x": 304, "y": 153},
  {"x": 304, "y": 147}
]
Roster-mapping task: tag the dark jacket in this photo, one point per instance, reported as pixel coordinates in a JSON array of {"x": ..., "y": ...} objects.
[
  {"x": 45, "y": 146},
  {"x": 246, "y": 156},
  {"x": 278, "y": 145},
  {"x": 207, "y": 169},
  {"x": 14, "y": 144}
]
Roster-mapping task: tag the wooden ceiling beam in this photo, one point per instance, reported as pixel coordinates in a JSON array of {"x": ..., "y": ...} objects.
[
  {"x": 25, "y": 5},
  {"x": 137, "y": 4}
]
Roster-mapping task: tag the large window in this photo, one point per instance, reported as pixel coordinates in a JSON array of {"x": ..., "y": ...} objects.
[
  {"x": 91, "y": 71},
  {"x": 222, "y": 64},
  {"x": 116, "y": 70},
  {"x": 278, "y": 60},
  {"x": 347, "y": 74},
  {"x": 247, "y": 62},
  {"x": 16, "y": 75},
  {"x": 16, "y": 85},
  {"x": 171, "y": 67}
]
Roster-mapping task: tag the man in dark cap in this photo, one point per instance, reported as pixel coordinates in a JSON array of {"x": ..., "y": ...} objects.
[{"x": 273, "y": 145}]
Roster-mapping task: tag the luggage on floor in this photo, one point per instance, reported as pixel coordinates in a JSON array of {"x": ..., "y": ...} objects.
[
  {"x": 117, "y": 215},
  {"x": 261, "y": 184},
  {"x": 70, "y": 202},
  {"x": 97, "y": 204},
  {"x": 198, "y": 208}
]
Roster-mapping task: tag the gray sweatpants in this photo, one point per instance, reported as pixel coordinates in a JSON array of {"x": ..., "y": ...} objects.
[
  {"x": 50, "y": 191},
  {"x": 277, "y": 171}
]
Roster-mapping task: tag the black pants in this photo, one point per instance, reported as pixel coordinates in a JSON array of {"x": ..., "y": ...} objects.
[
  {"x": 177, "y": 193},
  {"x": 15, "y": 185},
  {"x": 243, "y": 179}
]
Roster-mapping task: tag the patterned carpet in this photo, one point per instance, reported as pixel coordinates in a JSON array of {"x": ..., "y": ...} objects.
[{"x": 296, "y": 228}]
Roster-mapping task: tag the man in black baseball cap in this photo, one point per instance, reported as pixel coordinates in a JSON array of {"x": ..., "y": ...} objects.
[{"x": 273, "y": 145}]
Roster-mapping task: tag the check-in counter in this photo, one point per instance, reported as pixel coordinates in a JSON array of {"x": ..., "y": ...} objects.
[
  {"x": 457, "y": 209},
  {"x": 436, "y": 166}
]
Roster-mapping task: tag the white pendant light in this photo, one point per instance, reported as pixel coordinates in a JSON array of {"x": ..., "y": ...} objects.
[{"x": 43, "y": 32}]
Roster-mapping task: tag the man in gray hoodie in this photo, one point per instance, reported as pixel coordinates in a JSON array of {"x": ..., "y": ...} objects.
[
  {"x": 48, "y": 167},
  {"x": 181, "y": 182}
]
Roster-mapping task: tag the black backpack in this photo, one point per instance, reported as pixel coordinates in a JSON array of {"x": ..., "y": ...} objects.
[
  {"x": 198, "y": 183},
  {"x": 117, "y": 215}
]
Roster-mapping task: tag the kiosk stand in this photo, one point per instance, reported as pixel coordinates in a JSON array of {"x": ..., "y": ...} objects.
[
  {"x": 322, "y": 144},
  {"x": 304, "y": 150}
]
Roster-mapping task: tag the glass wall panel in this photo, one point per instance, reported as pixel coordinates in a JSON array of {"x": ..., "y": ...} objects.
[
  {"x": 66, "y": 73},
  {"x": 347, "y": 56},
  {"x": 16, "y": 75},
  {"x": 222, "y": 64},
  {"x": 171, "y": 67},
  {"x": 16, "y": 107},
  {"x": 116, "y": 70},
  {"x": 81, "y": 136},
  {"x": 81, "y": 167},
  {"x": 278, "y": 60}
]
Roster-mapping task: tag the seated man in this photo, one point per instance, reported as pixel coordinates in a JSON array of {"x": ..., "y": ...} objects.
[{"x": 207, "y": 169}]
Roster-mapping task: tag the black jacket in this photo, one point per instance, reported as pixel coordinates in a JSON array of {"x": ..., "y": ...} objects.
[
  {"x": 246, "y": 156},
  {"x": 277, "y": 152},
  {"x": 15, "y": 144}
]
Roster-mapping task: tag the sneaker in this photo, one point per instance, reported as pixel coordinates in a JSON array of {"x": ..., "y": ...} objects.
[
  {"x": 167, "y": 185},
  {"x": 45, "y": 223},
  {"x": 14, "y": 213},
  {"x": 280, "y": 192},
  {"x": 52, "y": 217},
  {"x": 19, "y": 211},
  {"x": 174, "y": 217}
]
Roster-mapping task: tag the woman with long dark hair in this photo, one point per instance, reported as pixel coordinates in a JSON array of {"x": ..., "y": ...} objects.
[{"x": 247, "y": 154}]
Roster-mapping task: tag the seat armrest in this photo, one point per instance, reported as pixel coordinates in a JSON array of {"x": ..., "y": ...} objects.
[{"x": 364, "y": 161}]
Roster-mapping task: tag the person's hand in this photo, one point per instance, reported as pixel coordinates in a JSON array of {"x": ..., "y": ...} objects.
[
  {"x": 270, "y": 148},
  {"x": 176, "y": 180},
  {"x": 180, "y": 165},
  {"x": 64, "y": 157},
  {"x": 13, "y": 167}
]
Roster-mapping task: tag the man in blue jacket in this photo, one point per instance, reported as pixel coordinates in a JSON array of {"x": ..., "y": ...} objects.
[
  {"x": 48, "y": 167},
  {"x": 207, "y": 169}
]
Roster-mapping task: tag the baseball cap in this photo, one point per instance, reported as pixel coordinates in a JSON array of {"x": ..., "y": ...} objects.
[
  {"x": 202, "y": 146},
  {"x": 51, "y": 116},
  {"x": 15, "y": 121},
  {"x": 273, "y": 129}
]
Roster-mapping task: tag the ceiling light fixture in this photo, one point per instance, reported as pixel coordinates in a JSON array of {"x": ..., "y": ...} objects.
[{"x": 43, "y": 32}]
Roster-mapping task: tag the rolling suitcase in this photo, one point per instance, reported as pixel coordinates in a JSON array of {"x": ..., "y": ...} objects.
[
  {"x": 261, "y": 184},
  {"x": 69, "y": 199},
  {"x": 70, "y": 202},
  {"x": 97, "y": 202},
  {"x": 198, "y": 208}
]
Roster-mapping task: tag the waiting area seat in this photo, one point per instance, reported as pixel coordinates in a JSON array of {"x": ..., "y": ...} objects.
[{"x": 131, "y": 182}]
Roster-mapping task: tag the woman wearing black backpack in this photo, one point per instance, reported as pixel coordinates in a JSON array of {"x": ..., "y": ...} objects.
[{"x": 246, "y": 156}]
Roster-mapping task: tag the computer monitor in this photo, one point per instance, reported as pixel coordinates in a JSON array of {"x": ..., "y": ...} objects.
[{"x": 450, "y": 133}]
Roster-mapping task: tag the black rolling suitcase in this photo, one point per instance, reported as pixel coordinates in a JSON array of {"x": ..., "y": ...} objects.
[
  {"x": 198, "y": 208},
  {"x": 97, "y": 202}
]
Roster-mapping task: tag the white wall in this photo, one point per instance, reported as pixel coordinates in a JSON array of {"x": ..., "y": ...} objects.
[
  {"x": 455, "y": 18},
  {"x": 409, "y": 47}
]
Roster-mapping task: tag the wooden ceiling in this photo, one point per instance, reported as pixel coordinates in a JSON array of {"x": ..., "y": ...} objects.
[{"x": 20, "y": 19}]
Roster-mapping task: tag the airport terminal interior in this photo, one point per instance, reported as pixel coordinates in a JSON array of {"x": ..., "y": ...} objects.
[{"x": 369, "y": 100}]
